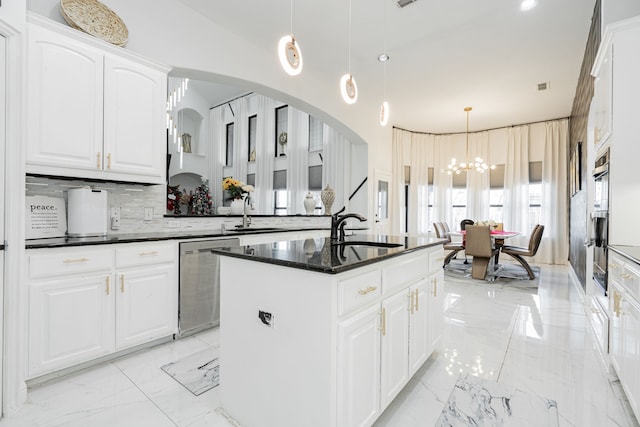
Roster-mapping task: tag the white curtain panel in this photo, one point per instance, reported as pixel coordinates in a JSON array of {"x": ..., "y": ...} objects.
[
  {"x": 241, "y": 139},
  {"x": 442, "y": 181},
  {"x": 400, "y": 142},
  {"x": 554, "y": 248},
  {"x": 298, "y": 161},
  {"x": 216, "y": 162},
  {"x": 421, "y": 153},
  {"x": 265, "y": 153},
  {"x": 337, "y": 156},
  {"x": 478, "y": 183},
  {"x": 516, "y": 183}
]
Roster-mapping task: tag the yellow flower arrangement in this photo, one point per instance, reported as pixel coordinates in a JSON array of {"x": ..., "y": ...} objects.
[{"x": 236, "y": 188}]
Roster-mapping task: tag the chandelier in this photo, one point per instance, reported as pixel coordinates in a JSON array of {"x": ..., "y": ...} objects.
[{"x": 477, "y": 164}]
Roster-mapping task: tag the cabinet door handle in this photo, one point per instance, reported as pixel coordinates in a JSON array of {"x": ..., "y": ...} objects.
[
  {"x": 122, "y": 283},
  {"x": 410, "y": 301},
  {"x": 435, "y": 287},
  {"x": 70, "y": 260},
  {"x": 98, "y": 162},
  {"x": 109, "y": 161},
  {"x": 626, "y": 276},
  {"x": 361, "y": 291},
  {"x": 417, "y": 299},
  {"x": 108, "y": 284},
  {"x": 383, "y": 321}
]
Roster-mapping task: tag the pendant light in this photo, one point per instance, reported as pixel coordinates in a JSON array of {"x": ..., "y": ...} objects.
[
  {"x": 348, "y": 86},
  {"x": 384, "y": 58},
  {"x": 289, "y": 51},
  {"x": 477, "y": 164}
]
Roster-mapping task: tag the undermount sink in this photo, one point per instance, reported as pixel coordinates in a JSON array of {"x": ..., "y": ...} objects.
[
  {"x": 248, "y": 229},
  {"x": 371, "y": 244}
]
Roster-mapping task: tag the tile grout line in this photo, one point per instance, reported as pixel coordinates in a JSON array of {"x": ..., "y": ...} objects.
[
  {"x": 513, "y": 327},
  {"x": 145, "y": 395}
]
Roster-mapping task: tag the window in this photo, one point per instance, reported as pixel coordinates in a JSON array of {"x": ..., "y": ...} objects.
[
  {"x": 459, "y": 197},
  {"x": 282, "y": 126},
  {"x": 253, "y": 122},
  {"x": 496, "y": 194},
  {"x": 315, "y": 134},
  {"x": 280, "y": 192},
  {"x": 229, "y": 144},
  {"x": 535, "y": 194}
]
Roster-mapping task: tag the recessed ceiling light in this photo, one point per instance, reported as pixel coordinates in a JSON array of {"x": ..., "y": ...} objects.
[
  {"x": 528, "y": 4},
  {"x": 383, "y": 57}
]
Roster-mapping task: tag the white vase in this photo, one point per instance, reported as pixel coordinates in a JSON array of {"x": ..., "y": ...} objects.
[
  {"x": 309, "y": 204},
  {"x": 327, "y": 196},
  {"x": 237, "y": 207}
]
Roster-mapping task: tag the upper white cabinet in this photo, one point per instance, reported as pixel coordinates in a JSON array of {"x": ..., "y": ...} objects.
[
  {"x": 95, "y": 111},
  {"x": 602, "y": 90}
]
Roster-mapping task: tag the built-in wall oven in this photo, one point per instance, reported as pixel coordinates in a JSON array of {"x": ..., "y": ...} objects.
[{"x": 600, "y": 222}]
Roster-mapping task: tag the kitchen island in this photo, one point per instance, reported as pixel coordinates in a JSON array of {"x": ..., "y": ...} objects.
[{"x": 315, "y": 333}]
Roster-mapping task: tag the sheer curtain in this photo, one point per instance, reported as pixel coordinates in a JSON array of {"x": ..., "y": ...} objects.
[
  {"x": 241, "y": 139},
  {"x": 478, "y": 183},
  {"x": 554, "y": 248},
  {"x": 421, "y": 153},
  {"x": 298, "y": 161},
  {"x": 337, "y": 158},
  {"x": 401, "y": 142},
  {"x": 442, "y": 181},
  {"x": 516, "y": 182},
  {"x": 265, "y": 153},
  {"x": 216, "y": 163}
]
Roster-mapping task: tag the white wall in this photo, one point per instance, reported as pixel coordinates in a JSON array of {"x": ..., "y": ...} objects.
[{"x": 616, "y": 10}]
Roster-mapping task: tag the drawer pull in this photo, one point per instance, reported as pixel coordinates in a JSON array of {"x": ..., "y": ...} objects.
[
  {"x": 383, "y": 321},
  {"x": 365, "y": 291},
  {"x": 68, "y": 261},
  {"x": 613, "y": 266},
  {"x": 108, "y": 285},
  {"x": 435, "y": 287},
  {"x": 149, "y": 253},
  {"x": 626, "y": 276},
  {"x": 98, "y": 162},
  {"x": 122, "y": 283},
  {"x": 440, "y": 258}
]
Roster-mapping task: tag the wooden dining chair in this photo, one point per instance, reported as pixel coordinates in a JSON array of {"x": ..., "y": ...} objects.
[
  {"x": 518, "y": 252},
  {"x": 480, "y": 246},
  {"x": 454, "y": 247}
]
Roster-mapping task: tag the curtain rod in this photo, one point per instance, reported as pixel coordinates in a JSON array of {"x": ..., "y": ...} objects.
[
  {"x": 482, "y": 130},
  {"x": 230, "y": 100}
]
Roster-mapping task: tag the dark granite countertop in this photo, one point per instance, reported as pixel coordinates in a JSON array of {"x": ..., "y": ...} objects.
[
  {"x": 58, "y": 242},
  {"x": 630, "y": 252},
  {"x": 322, "y": 256}
]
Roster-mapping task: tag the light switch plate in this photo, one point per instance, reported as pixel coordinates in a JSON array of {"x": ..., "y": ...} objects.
[
  {"x": 115, "y": 218},
  {"x": 148, "y": 214}
]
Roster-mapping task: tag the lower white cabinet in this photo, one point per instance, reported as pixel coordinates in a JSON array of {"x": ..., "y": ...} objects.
[
  {"x": 358, "y": 388},
  {"x": 82, "y": 306},
  {"x": 70, "y": 321},
  {"x": 394, "y": 369},
  {"x": 435, "y": 310}
]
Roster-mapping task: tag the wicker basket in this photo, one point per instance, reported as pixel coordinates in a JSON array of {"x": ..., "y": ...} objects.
[{"x": 96, "y": 19}]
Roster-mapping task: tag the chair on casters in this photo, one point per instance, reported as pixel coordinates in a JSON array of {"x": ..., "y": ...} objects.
[
  {"x": 448, "y": 245},
  {"x": 518, "y": 252},
  {"x": 480, "y": 246}
]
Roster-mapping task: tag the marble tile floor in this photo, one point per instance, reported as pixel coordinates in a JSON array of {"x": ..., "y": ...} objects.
[{"x": 539, "y": 342}]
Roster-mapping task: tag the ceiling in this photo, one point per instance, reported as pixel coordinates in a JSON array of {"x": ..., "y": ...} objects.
[{"x": 445, "y": 55}]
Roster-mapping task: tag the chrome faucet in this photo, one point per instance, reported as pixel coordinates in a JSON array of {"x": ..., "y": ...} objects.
[
  {"x": 339, "y": 221},
  {"x": 246, "y": 220}
]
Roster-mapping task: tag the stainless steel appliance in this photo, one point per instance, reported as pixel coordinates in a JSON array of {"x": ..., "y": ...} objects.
[
  {"x": 600, "y": 222},
  {"x": 200, "y": 285}
]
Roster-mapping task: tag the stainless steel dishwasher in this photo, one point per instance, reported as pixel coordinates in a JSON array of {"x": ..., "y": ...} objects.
[{"x": 200, "y": 285}]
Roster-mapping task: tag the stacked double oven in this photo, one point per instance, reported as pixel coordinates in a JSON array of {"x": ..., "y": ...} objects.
[{"x": 600, "y": 218}]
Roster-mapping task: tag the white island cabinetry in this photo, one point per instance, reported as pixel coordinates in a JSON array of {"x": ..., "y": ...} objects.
[
  {"x": 88, "y": 302},
  {"x": 310, "y": 348}
]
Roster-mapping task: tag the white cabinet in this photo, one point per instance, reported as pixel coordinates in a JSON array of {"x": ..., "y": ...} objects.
[
  {"x": 602, "y": 93},
  {"x": 435, "y": 298},
  {"x": 624, "y": 334},
  {"x": 93, "y": 113},
  {"x": 87, "y": 302},
  {"x": 394, "y": 360},
  {"x": 358, "y": 379},
  {"x": 420, "y": 326}
]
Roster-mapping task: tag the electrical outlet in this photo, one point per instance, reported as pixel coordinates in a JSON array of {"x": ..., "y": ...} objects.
[
  {"x": 148, "y": 214},
  {"x": 115, "y": 218}
]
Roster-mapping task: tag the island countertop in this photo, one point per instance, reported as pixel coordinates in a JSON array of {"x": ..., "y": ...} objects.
[{"x": 331, "y": 257}]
